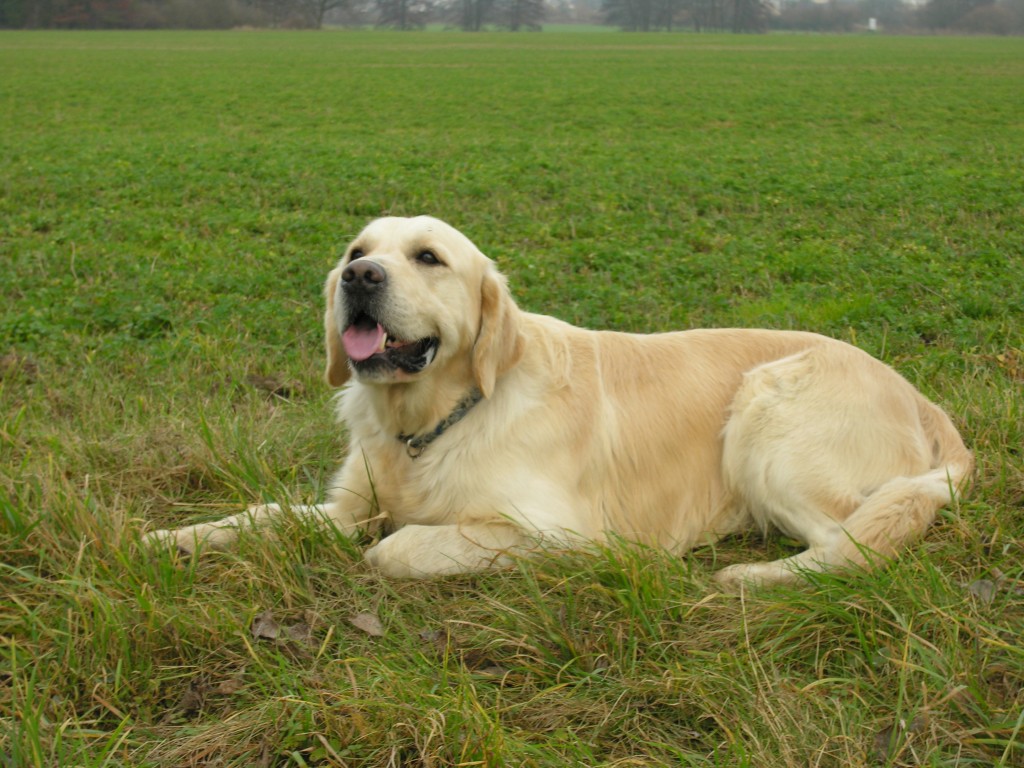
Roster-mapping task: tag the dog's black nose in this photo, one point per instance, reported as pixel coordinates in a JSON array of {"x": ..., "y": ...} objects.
[{"x": 363, "y": 274}]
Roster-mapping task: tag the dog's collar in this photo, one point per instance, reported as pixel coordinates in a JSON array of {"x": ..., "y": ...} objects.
[{"x": 416, "y": 444}]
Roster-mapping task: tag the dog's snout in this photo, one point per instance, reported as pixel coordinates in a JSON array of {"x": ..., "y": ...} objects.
[{"x": 363, "y": 274}]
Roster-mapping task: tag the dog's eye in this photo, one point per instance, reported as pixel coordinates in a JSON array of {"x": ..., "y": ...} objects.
[
  {"x": 357, "y": 253},
  {"x": 428, "y": 257}
]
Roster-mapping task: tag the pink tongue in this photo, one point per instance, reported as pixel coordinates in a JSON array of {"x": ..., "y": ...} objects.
[{"x": 361, "y": 343}]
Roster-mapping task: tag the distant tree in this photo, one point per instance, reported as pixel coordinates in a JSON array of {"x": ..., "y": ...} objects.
[
  {"x": 990, "y": 19},
  {"x": 402, "y": 14},
  {"x": 471, "y": 15},
  {"x": 275, "y": 13},
  {"x": 193, "y": 14},
  {"x": 1016, "y": 9},
  {"x": 316, "y": 10},
  {"x": 296, "y": 13},
  {"x": 666, "y": 12},
  {"x": 13, "y": 14},
  {"x": 83, "y": 14},
  {"x": 810, "y": 16},
  {"x": 641, "y": 15},
  {"x": 573, "y": 11},
  {"x": 944, "y": 14},
  {"x": 519, "y": 14},
  {"x": 891, "y": 14},
  {"x": 631, "y": 15},
  {"x": 709, "y": 14},
  {"x": 750, "y": 15},
  {"x": 650, "y": 15},
  {"x": 199, "y": 14}
]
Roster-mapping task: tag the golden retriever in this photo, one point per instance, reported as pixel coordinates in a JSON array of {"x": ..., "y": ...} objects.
[{"x": 479, "y": 432}]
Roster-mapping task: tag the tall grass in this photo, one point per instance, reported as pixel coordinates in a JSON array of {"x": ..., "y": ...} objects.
[{"x": 169, "y": 205}]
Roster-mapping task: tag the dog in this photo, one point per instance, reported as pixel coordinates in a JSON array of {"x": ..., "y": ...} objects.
[{"x": 479, "y": 433}]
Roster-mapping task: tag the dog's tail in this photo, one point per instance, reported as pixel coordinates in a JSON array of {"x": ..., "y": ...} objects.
[{"x": 902, "y": 509}]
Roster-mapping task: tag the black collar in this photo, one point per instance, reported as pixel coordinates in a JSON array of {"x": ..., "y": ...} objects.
[{"x": 416, "y": 444}]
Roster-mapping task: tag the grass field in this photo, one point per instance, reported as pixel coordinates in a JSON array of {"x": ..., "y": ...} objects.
[{"x": 169, "y": 206}]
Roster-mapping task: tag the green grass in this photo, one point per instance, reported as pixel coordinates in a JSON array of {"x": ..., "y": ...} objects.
[{"x": 169, "y": 206}]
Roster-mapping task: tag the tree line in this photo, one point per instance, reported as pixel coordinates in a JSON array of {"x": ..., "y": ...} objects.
[
  {"x": 974, "y": 16},
  {"x": 471, "y": 15},
  {"x": 990, "y": 17},
  {"x": 699, "y": 15},
  {"x": 999, "y": 17}
]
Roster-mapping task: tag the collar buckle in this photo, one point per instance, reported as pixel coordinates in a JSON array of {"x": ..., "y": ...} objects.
[{"x": 416, "y": 444}]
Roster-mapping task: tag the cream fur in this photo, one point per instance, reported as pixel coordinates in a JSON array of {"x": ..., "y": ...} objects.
[{"x": 673, "y": 439}]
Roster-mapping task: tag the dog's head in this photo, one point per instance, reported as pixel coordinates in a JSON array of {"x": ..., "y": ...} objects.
[{"x": 414, "y": 296}]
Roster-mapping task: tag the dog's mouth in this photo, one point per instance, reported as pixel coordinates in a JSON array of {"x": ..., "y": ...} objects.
[{"x": 370, "y": 346}]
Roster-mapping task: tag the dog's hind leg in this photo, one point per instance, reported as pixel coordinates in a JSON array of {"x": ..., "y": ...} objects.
[
  {"x": 890, "y": 518},
  {"x": 837, "y": 451}
]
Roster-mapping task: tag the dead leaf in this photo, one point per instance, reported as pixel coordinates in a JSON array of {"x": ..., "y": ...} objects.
[
  {"x": 264, "y": 627},
  {"x": 437, "y": 638},
  {"x": 477, "y": 660},
  {"x": 368, "y": 623},
  {"x": 230, "y": 686},
  {"x": 983, "y": 589},
  {"x": 273, "y": 385},
  {"x": 1012, "y": 362},
  {"x": 12, "y": 365},
  {"x": 190, "y": 703},
  {"x": 474, "y": 660},
  {"x": 299, "y": 633},
  {"x": 890, "y": 741}
]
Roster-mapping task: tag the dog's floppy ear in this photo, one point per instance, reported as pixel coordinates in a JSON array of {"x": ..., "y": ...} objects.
[
  {"x": 337, "y": 360},
  {"x": 499, "y": 343}
]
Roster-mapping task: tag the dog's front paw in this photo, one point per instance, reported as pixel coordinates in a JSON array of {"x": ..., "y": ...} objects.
[
  {"x": 166, "y": 539},
  {"x": 392, "y": 560},
  {"x": 751, "y": 576},
  {"x": 735, "y": 578}
]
